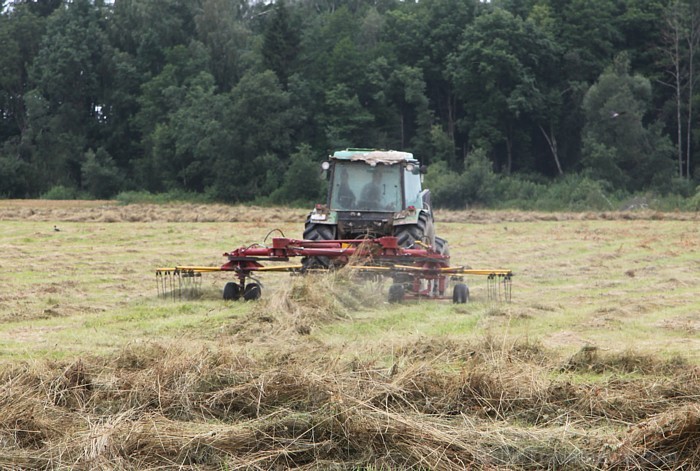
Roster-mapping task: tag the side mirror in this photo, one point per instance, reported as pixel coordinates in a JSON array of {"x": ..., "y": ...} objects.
[
  {"x": 423, "y": 169},
  {"x": 325, "y": 175}
]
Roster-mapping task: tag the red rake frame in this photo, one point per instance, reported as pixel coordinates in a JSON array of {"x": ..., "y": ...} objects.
[{"x": 417, "y": 272}]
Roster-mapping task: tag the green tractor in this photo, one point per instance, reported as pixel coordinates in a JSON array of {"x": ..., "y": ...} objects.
[{"x": 374, "y": 193}]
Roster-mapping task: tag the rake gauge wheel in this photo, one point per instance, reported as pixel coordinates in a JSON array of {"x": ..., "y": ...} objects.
[
  {"x": 252, "y": 292},
  {"x": 396, "y": 293},
  {"x": 460, "y": 293},
  {"x": 232, "y": 291}
]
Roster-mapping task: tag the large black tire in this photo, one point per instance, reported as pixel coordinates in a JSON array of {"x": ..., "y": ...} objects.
[
  {"x": 423, "y": 231},
  {"x": 441, "y": 246},
  {"x": 232, "y": 291},
  {"x": 317, "y": 232}
]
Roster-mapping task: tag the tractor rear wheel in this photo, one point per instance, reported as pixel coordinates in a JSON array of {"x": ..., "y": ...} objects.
[
  {"x": 317, "y": 232},
  {"x": 422, "y": 231},
  {"x": 441, "y": 246}
]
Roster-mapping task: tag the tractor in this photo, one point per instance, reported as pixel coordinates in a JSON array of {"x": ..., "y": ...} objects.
[
  {"x": 377, "y": 218},
  {"x": 371, "y": 194}
]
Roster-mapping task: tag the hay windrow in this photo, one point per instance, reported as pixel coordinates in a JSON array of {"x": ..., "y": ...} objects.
[
  {"x": 112, "y": 211},
  {"x": 669, "y": 440},
  {"x": 308, "y": 302},
  {"x": 222, "y": 408}
]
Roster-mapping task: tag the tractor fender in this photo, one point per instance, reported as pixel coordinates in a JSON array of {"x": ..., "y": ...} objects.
[
  {"x": 410, "y": 217},
  {"x": 324, "y": 216}
]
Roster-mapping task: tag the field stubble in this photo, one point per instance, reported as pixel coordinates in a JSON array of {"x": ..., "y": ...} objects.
[{"x": 594, "y": 365}]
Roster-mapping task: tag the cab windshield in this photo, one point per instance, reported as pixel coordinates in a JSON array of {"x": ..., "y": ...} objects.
[{"x": 358, "y": 186}]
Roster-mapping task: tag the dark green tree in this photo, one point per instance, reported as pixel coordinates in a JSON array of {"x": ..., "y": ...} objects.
[
  {"x": 499, "y": 72},
  {"x": 187, "y": 145},
  {"x": 347, "y": 122},
  {"x": 302, "y": 183},
  {"x": 160, "y": 99},
  {"x": 21, "y": 31},
  {"x": 588, "y": 33},
  {"x": 149, "y": 29},
  {"x": 222, "y": 28},
  {"x": 67, "y": 73},
  {"x": 424, "y": 35},
  {"x": 619, "y": 147},
  {"x": 280, "y": 43},
  {"x": 100, "y": 176},
  {"x": 260, "y": 122}
]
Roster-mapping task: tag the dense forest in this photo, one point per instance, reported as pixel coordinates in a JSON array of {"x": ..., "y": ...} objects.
[{"x": 575, "y": 102}]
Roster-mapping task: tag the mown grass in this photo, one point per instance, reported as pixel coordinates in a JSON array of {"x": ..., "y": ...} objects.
[
  {"x": 593, "y": 365},
  {"x": 615, "y": 282}
]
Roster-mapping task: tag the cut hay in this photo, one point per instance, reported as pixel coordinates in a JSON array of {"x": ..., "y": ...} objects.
[
  {"x": 309, "y": 301},
  {"x": 670, "y": 440},
  {"x": 112, "y": 211},
  {"x": 482, "y": 406}
]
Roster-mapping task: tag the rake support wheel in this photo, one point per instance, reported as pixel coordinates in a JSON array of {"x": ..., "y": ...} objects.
[
  {"x": 460, "y": 293},
  {"x": 396, "y": 293},
  {"x": 252, "y": 292},
  {"x": 232, "y": 291}
]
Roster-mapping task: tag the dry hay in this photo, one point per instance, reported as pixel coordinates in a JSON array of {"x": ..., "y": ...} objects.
[
  {"x": 112, "y": 211},
  {"x": 109, "y": 211},
  {"x": 309, "y": 301},
  {"x": 489, "y": 405},
  {"x": 476, "y": 216},
  {"x": 211, "y": 410},
  {"x": 590, "y": 359},
  {"x": 667, "y": 441}
]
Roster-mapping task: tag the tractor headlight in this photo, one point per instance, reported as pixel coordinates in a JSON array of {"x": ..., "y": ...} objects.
[
  {"x": 410, "y": 167},
  {"x": 325, "y": 165}
]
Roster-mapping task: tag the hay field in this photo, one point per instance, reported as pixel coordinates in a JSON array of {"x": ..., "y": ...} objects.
[{"x": 594, "y": 365}]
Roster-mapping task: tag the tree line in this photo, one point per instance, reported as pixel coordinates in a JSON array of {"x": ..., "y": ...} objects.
[{"x": 239, "y": 101}]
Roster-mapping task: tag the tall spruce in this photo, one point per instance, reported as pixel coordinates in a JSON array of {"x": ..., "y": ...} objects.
[{"x": 280, "y": 43}]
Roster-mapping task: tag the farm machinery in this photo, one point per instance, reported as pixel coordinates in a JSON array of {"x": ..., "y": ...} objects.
[{"x": 377, "y": 220}]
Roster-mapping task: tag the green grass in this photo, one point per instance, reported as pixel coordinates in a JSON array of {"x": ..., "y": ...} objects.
[
  {"x": 618, "y": 284},
  {"x": 600, "y": 341}
]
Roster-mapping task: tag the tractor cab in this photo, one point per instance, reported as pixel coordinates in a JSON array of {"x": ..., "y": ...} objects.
[
  {"x": 359, "y": 187},
  {"x": 371, "y": 193}
]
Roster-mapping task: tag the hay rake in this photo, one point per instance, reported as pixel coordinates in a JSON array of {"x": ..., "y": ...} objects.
[
  {"x": 417, "y": 273},
  {"x": 178, "y": 283}
]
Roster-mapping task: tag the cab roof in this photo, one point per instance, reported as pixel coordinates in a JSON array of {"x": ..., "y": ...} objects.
[{"x": 374, "y": 156}]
